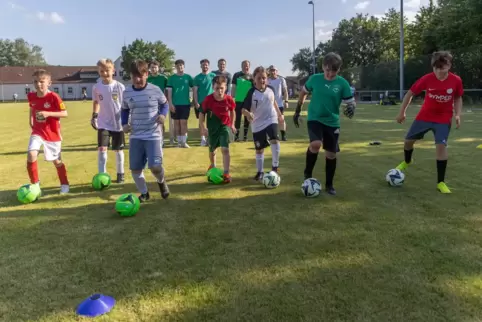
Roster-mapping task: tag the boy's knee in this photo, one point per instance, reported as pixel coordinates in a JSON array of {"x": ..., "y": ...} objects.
[
  {"x": 225, "y": 150},
  {"x": 330, "y": 155},
  {"x": 315, "y": 146},
  {"x": 156, "y": 169},
  {"x": 57, "y": 163},
  {"x": 102, "y": 149},
  {"x": 32, "y": 156}
]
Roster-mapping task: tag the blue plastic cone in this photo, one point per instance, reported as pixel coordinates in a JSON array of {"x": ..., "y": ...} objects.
[{"x": 96, "y": 305}]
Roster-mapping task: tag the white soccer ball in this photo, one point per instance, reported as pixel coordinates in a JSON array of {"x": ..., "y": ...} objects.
[
  {"x": 271, "y": 180},
  {"x": 311, "y": 187},
  {"x": 395, "y": 177}
]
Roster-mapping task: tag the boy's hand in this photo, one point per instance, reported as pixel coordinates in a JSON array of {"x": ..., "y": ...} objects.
[
  {"x": 197, "y": 106},
  {"x": 401, "y": 118},
  {"x": 250, "y": 117},
  {"x": 457, "y": 121},
  {"x": 42, "y": 115},
  {"x": 93, "y": 121},
  {"x": 126, "y": 128},
  {"x": 233, "y": 129},
  {"x": 161, "y": 119},
  {"x": 296, "y": 119},
  {"x": 349, "y": 110},
  {"x": 172, "y": 108}
]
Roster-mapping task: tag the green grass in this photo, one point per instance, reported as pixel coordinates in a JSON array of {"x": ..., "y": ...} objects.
[{"x": 241, "y": 252}]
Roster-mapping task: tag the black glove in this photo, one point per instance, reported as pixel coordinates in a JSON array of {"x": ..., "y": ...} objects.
[
  {"x": 349, "y": 110},
  {"x": 93, "y": 121},
  {"x": 296, "y": 116}
]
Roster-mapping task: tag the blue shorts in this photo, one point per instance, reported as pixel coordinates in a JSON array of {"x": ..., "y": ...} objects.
[
  {"x": 419, "y": 128},
  {"x": 182, "y": 112},
  {"x": 144, "y": 151}
]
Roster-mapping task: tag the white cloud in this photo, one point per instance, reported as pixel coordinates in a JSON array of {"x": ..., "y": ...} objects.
[
  {"x": 323, "y": 30},
  {"x": 362, "y": 5},
  {"x": 15, "y": 6},
  {"x": 322, "y": 23},
  {"x": 272, "y": 38},
  {"x": 52, "y": 17}
]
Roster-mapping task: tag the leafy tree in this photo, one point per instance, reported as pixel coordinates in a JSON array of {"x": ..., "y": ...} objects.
[
  {"x": 148, "y": 51},
  {"x": 19, "y": 52}
]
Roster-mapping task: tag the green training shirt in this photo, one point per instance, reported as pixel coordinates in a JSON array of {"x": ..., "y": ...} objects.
[
  {"x": 326, "y": 98},
  {"x": 158, "y": 80},
  {"x": 180, "y": 86},
  {"x": 243, "y": 83},
  {"x": 204, "y": 83}
]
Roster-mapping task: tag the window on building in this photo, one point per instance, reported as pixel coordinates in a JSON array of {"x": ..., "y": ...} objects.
[
  {"x": 121, "y": 73},
  {"x": 70, "y": 90},
  {"x": 27, "y": 90},
  {"x": 56, "y": 90}
]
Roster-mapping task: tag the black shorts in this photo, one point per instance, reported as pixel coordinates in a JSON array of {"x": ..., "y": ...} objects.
[
  {"x": 104, "y": 136},
  {"x": 327, "y": 134},
  {"x": 261, "y": 139},
  {"x": 282, "y": 110},
  {"x": 182, "y": 112}
]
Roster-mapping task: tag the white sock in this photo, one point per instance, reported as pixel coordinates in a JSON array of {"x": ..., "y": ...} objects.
[
  {"x": 260, "y": 162},
  {"x": 119, "y": 158},
  {"x": 102, "y": 161},
  {"x": 203, "y": 138},
  {"x": 275, "y": 149},
  {"x": 140, "y": 181},
  {"x": 179, "y": 139}
]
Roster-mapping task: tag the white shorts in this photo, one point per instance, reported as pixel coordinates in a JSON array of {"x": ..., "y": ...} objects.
[{"x": 51, "y": 149}]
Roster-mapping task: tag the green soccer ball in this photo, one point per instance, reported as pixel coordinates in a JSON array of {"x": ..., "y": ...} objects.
[
  {"x": 127, "y": 205},
  {"x": 28, "y": 193},
  {"x": 215, "y": 175},
  {"x": 101, "y": 181}
]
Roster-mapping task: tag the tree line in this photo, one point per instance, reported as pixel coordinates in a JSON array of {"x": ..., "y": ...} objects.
[{"x": 370, "y": 46}]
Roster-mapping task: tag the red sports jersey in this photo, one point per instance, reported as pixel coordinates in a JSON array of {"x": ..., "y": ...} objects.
[
  {"x": 219, "y": 108},
  {"x": 49, "y": 128},
  {"x": 439, "y": 97}
]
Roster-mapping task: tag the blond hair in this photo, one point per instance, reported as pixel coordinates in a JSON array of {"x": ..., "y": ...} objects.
[
  {"x": 41, "y": 73},
  {"x": 105, "y": 63}
]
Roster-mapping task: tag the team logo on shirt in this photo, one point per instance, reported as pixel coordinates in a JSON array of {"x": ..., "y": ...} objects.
[
  {"x": 47, "y": 105},
  {"x": 115, "y": 96},
  {"x": 450, "y": 91},
  {"x": 336, "y": 89},
  {"x": 101, "y": 98}
]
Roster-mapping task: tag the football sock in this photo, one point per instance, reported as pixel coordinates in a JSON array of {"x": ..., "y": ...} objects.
[
  {"x": 179, "y": 138},
  {"x": 408, "y": 155},
  {"x": 441, "y": 167},
  {"x": 226, "y": 161},
  {"x": 62, "y": 173},
  {"x": 119, "y": 157},
  {"x": 310, "y": 162},
  {"x": 159, "y": 175},
  {"x": 245, "y": 132},
  {"x": 32, "y": 168},
  {"x": 275, "y": 150},
  {"x": 260, "y": 162},
  {"x": 140, "y": 181},
  {"x": 330, "y": 168},
  {"x": 102, "y": 161},
  {"x": 283, "y": 134}
]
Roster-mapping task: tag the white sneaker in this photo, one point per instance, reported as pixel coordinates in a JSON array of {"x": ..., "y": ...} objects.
[
  {"x": 40, "y": 190},
  {"x": 204, "y": 143},
  {"x": 185, "y": 146},
  {"x": 65, "y": 188}
]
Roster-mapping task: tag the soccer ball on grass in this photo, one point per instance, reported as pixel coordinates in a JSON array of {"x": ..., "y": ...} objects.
[
  {"x": 271, "y": 180},
  {"x": 311, "y": 188},
  {"x": 395, "y": 178}
]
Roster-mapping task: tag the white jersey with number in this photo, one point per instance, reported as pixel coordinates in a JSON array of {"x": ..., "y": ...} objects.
[
  {"x": 261, "y": 104},
  {"x": 279, "y": 85},
  {"x": 109, "y": 98}
]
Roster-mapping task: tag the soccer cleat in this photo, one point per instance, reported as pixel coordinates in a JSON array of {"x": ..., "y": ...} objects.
[
  {"x": 283, "y": 138},
  {"x": 442, "y": 187},
  {"x": 210, "y": 167},
  {"x": 120, "y": 178},
  {"x": 258, "y": 176},
  {"x": 227, "y": 178},
  {"x": 275, "y": 169},
  {"x": 185, "y": 146},
  {"x": 40, "y": 190},
  {"x": 204, "y": 143},
  {"x": 64, "y": 189},
  {"x": 331, "y": 191},
  {"x": 164, "y": 189},
  {"x": 403, "y": 166},
  {"x": 144, "y": 197},
  {"x": 308, "y": 175}
]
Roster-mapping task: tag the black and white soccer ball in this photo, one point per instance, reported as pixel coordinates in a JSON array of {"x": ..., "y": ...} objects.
[
  {"x": 271, "y": 180},
  {"x": 311, "y": 188},
  {"x": 395, "y": 177}
]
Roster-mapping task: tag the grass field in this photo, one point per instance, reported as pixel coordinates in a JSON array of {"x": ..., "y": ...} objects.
[{"x": 240, "y": 252}]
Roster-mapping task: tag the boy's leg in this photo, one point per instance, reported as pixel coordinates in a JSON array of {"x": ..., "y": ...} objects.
[
  {"x": 272, "y": 132},
  {"x": 184, "y": 117},
  {"x": 441, "y": 133},
  {"x": 237, "y": 121},
  {"x": 201, "y": 135},
  {"x": 154, "y": 162},
  {"x": 52, "y": 152},
  {"x": 118, "y": 143},
  {"x": 282, "y": 125},
  {"x": 260, "y": 143},
  {"x": 245, "y": 129},
  {"x": 315, "y": 133},
  {"x": 224, "y": 144},
  {"x": 172, "y": 133},
  {"x": 34, "y": 146},
  {"x": 330, "y": 145},
  {"x": 103, "y": 138},
  {"x": 137, "y": 161},
  {"x": 416, "y": 132}
]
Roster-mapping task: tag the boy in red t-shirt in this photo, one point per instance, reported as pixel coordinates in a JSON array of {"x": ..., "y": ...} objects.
[
  {"x": 220, "y": 110},
  {"x": 46, "y": 108},
  {"x": 443, "y": 95}
]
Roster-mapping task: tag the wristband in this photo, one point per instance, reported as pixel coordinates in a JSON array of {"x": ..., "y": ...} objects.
[{"x": 95, "y": 115}]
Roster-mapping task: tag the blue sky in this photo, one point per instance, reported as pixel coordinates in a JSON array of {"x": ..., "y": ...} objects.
[{"x": 262, "y": 31}]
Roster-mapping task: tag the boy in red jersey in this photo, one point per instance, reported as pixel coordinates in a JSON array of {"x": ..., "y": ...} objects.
[
  {"x": 46, "y": 108},
  {"x": 220, "y": 110},
  {"x": 443, "y": 94}
]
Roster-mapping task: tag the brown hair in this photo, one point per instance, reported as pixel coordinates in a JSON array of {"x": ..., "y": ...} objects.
[
  {"x": 221, "y": 60},
  {"x": 220, "y": 80},
  {"x": 105, "y": 63},
  {"x": 179, "y": 62},
  {"x": 441, "y": 59},
  {"x": 245, "y": 62},
  {"x": 139, "y": 67},
  {"x": 205, "y": 60},
  {"x": 332, "y": 61},
  {"x": 154, "y": 63},
  {"x": 259, "y": 69},
  {"x": 41, "y": 73}
]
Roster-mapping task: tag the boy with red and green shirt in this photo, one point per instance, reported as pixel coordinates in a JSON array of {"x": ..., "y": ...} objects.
[
  {"x": 443, "y": 95},
  {"x": 219, "y": 110}
]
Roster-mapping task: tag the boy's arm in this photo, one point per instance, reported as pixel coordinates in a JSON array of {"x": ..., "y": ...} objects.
[
  {"x": 95, "y": 109},
  {"x": 60, "y": 112},
  {"x": 163, "y": 106},
  {"x": 194, "y": 96},
  {"x": 246, "y": 108},
  {"x": 276, "y": 108},
  {"x": 285, "y": 91},
  {"x": 30, "y": 121}
]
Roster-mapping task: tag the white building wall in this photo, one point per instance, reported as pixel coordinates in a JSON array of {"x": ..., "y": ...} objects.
[{"x": 67, "y": 91}]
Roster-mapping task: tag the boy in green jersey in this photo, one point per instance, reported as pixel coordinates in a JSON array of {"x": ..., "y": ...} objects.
[
  {"x": 178, "y": 88},
  {"x": 241, "y": 84},
  {"x": 328, "y": 91},
  {"x": 160, "y": 80},
  {"x": 203, "y": 86}
]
